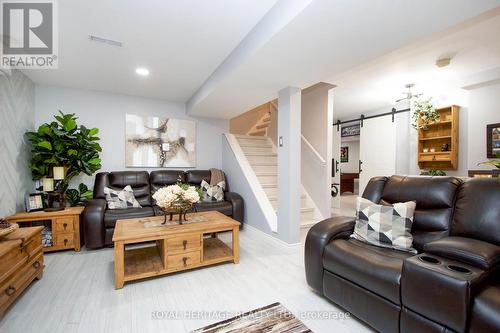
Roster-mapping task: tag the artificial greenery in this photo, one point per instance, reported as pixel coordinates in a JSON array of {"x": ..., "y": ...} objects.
[
  {"x": 80, "y": 196},
  {"x": 425, "y": 113},
  {"x": 64, "y": 143},
  {"x": 432, "y": 173},
  {"x": 495, "y": 163}
]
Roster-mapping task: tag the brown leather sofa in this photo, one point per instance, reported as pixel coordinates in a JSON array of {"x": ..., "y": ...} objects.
[
  {"x": 99, "y": 222},
  {"x": 451, "y": 285}
]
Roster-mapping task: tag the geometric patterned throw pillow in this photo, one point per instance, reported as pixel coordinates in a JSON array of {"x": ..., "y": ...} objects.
[
  {"x": 213, "y": 192},
  {"x": 385, "y": 226},
  {"x": 121, "y": 199}
]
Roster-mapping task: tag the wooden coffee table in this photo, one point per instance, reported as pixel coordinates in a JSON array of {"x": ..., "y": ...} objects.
[{"x": 174, "y": 247}]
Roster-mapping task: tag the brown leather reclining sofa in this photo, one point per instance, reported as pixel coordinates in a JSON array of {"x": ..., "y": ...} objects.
[
  {"x": 99, "y": 222},
  {"x": 451, "y": 285}
]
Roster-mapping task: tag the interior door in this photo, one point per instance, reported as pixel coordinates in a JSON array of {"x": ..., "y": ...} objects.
[
  {"x": 377, "y": 149},
  {"x": 336, "y": 166}
]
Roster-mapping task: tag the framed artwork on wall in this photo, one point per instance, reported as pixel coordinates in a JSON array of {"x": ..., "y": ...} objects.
[
  {"x": 493, "y": 140},
  {"x": 160, "y": 142},
  {"x": 352, "y": 130},
  {"x": 344, "y": 154}
]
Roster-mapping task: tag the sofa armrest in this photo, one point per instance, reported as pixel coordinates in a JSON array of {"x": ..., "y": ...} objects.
[
  {"x": 238, "y": 205},
  {"x": 317, "y": 238},
  {"x": 441, "y": 289},
  {"x": 93, "y": 223},
  {"x": 467, "y": 250}
]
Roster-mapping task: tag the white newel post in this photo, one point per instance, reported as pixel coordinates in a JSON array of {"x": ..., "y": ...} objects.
[{"x": 289, "y": 189}]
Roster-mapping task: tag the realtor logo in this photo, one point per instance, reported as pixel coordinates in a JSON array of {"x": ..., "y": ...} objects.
[{"x": 29, "y": 34}]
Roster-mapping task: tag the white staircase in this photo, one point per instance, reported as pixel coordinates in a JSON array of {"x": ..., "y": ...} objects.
[
  {"x": 261, "y": 127},
  {"x": 261, "y": 155}
]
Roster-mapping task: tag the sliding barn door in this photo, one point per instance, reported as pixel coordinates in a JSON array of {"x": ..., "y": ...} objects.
[
  {"x": 336, "y": 167},
  {"x": 377, "y": 149}
]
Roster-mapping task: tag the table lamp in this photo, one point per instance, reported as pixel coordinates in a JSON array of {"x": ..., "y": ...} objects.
[{"x": 54, "y": 196}]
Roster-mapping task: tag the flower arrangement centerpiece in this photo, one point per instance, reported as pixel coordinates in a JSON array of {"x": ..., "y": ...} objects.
[
  {"x": 425, "y": 114},
  {"x": 177, "y": 199}
]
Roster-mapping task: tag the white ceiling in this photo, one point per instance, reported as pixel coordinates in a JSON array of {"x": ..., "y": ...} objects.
[
  {"x": 180, "y": 41},
  {"x": 184, "y": 42},
  {"x": 329, "y": 37},
  {"x": 474, "y": 48}
]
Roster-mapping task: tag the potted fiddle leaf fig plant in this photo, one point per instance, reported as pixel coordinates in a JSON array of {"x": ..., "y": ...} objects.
[
  {"x": 64, "y": 143},
  {"x": 425, "y": 113},
  {"x": 80, "y": 196}
]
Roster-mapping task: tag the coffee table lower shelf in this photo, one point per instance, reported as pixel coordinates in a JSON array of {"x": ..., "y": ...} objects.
[{"x": 148, "y": 261}]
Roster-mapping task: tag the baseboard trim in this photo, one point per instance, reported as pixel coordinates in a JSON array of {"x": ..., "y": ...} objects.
[{"x": 269, "y": 237}]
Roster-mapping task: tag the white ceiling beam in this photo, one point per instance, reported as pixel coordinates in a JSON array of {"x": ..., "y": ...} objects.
[{"x": 282, "y": 13}]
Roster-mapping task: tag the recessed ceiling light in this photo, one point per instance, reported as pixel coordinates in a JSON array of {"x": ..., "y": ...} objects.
[{"x": 142, "y": 71}]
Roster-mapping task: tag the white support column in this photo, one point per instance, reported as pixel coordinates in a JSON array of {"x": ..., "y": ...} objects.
[{"x": 289, "y": 188}]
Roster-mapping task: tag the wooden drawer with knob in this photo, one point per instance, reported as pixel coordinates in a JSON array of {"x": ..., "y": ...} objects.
[
  {"x": 434, "y": 157},
  {"x": 63, "y": 240},
  {"x": 184, "y": 260},
  {"x": 64, "y": 224},
  {"x": 185, "y": 243}
]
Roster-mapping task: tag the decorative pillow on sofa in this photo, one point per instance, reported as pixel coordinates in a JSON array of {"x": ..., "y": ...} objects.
[
  {"x": 213, "y": 192},
  {"x": 117, "y": 199},
  {"x": 385, "y": 226}
]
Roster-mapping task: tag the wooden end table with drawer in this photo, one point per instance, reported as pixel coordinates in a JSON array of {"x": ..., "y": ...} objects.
[
  {"x": 173, "y": 248},
  {"x": 64, "y": 224}
]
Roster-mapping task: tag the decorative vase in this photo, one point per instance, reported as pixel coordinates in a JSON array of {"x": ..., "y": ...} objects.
[{"x": 181, "y": 208}]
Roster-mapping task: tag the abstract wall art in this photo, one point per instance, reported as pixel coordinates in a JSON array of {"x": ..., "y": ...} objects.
[{"x": 153, "y": 141}]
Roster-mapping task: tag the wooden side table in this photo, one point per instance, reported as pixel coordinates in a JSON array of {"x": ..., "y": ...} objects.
[{"x": 64, "y": 224}]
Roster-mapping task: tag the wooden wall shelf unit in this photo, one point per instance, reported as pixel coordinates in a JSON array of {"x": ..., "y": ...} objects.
[
  {"x": 435, "y": 136},
  {"x": 64, "y": 225}
]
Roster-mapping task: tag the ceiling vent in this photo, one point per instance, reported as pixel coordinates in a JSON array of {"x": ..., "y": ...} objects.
[{"x": 105, "y": 41}]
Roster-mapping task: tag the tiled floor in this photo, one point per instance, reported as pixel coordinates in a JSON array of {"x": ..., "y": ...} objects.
[{"x": 76, "y": 294}]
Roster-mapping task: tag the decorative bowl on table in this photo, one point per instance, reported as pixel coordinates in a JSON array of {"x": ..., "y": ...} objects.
[
  {"x": 7, "y": 228},
  {"x": 176, "y": 199}
]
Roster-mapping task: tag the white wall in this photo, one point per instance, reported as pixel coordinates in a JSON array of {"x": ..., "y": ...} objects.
[
  {"x": 107, "y": 112},
  {"x": 484, "y": 109},
  {"x": 17, "y": 104},
  {"x": 353, "y": 165},
  {"x": 237, "y": 177},
  {"x": 316, "y": 120}
]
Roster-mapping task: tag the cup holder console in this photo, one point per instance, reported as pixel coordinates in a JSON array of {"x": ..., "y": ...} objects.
[
  {"x": 458, "y": 269},
  {"x": 429, "y": 260},
  {"x": 451, "y": 281},
  {"x": 435, "y": 261}
]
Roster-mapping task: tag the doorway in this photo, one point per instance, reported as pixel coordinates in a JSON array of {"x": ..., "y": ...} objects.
[{"x": 349, "y": 165}]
